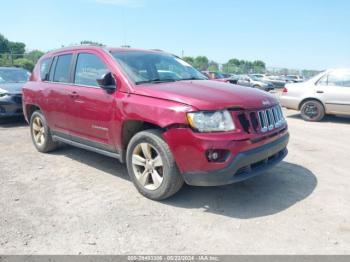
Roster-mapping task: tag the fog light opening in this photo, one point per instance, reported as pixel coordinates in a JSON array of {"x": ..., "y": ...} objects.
[{"x": 217, "y": 155}]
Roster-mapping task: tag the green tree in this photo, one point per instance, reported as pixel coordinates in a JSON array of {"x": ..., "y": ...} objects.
[
  {"x": 201, "y": 63},
  {"x": 4, "y": 44},
  {"x": 34, "y": 55},
  {"x": 244, "y": 67},
  {"x": 233, "y": 66},
  {"x": 259, "y": 67},
  {"x": 24, "y": 63},
  {"x": 189, "y": 59},
  {"x": 213, "y": 66},
  {"x": 17, "y": 48}
]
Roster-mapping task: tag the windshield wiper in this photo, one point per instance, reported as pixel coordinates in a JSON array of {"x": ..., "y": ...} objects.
[
  {"x": 155, "y": 81},
  {"x": 192, "y": 78}
]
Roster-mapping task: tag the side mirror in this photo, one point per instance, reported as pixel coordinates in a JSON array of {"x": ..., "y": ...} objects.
[{"x": 107, "y": 82}]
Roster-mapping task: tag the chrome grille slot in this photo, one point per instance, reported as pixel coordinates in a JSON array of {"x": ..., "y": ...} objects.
[
  {"x": 263, "y": 122},
  {"x": 271, "y": 118}
]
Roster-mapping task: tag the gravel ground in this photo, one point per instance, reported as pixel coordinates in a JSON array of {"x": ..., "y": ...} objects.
[{"x": 77, "y": 202}]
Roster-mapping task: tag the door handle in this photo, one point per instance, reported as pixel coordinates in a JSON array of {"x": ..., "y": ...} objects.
[
  {"x": 319, "y": 92},
  {"x": 73, "y": 94}
]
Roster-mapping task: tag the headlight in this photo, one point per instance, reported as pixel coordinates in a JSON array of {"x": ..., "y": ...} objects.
[{"x": 211, "y": 121}]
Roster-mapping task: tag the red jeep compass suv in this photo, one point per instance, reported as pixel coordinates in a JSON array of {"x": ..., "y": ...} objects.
[{"x": 155, "y": 112}]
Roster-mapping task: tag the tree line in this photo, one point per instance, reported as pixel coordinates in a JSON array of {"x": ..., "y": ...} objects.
[
  {"x": 232, "y": 66},
  {"x": 14, "y": 54}
]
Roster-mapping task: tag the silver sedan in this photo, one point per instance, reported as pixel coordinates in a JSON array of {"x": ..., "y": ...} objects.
[{"x": 326, "y": 93}]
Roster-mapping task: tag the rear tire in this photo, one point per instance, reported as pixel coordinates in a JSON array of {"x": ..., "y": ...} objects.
[
  {"x": 312, "y": 111},
  {"x": 151, "y": 166},
  {"x": 40, "y": 133}
]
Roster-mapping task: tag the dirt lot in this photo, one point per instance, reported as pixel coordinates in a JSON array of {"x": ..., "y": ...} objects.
[{"x": 73, "y": 201}]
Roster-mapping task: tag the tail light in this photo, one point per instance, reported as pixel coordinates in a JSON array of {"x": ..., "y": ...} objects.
[{"x": 285, "y": 90}]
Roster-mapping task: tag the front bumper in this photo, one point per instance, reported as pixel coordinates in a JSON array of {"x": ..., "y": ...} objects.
[
  {"x": 245, "y": 165},
  {"x": 247, "y": 158},
  {"x": 11, "y": 105}
]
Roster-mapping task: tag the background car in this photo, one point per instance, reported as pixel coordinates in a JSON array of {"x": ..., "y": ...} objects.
[
  {"x": 217, "y": 76},
  {"x": 12, "y": 80},
  {"x": 277, "y": 81},
  {"x": 252, "y": 81},
  {"x": 295, "y": 78},
  {"x": 326, "y": 93}
]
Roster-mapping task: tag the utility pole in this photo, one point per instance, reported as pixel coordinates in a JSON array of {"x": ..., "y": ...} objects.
[{"x": 11, "y": 56}]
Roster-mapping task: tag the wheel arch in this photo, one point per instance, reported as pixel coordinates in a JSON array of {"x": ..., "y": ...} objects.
[
  {"x": 310, "y": 99},
  {"x": 131, "y": 128},
  {"x": 29, "y": 110}
]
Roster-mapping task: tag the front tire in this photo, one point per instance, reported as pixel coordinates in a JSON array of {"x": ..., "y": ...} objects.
[
  {"x": 312, "y": 110},
  {"x": 40, "y": 133},
  {"x": 152, "y": 167}
]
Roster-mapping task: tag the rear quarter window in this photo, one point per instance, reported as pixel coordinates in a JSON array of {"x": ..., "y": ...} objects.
[{"x": 45, "y": 69}]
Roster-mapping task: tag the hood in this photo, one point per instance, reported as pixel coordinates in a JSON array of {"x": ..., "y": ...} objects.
[
  {"x": 208, "y": 95},
  {"x": 12, "y": 88}
]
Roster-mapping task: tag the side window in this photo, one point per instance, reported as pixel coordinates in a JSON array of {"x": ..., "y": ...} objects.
[
  {"x": 335, "y": 79},
  {"x": 44, "y": 69},
  {"x": 89, "y": 67},
  {"x": 62, "y": 68}
]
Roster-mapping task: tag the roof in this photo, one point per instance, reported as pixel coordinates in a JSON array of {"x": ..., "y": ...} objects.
[{"x": 94, "y": 47}]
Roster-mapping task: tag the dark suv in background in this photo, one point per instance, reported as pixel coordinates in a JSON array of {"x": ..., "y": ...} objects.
[
  {"x": 12, "y": 80},
  {"x": 155, "y": 112}
]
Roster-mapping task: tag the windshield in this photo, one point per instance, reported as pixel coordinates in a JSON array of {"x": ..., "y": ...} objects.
[
  {"x": 148, "y": 67},
  {"x": 13, "y": 76}
]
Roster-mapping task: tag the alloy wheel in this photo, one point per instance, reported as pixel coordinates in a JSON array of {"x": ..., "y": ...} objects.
[
  {"x": 38, "y": 131},
  {"x": 147, "y": 166},
  {"x": 311, "y": 110}
]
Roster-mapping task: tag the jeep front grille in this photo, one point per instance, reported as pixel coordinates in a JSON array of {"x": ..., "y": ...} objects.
[{"x": 261, "y": 121}]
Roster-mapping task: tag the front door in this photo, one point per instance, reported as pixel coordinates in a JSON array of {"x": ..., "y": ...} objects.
[
  {"x": 91, "y": 108},
  {"x": 334, "y": 90}
]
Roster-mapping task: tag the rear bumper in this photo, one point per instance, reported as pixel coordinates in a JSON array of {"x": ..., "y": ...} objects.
[
  {"x": 11, "y": 105},
  {"x": 245, "y": 165},
  {"x": 290, "y": 102}
]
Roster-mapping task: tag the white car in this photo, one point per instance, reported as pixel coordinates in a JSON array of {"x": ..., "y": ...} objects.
[{"x": 326, "y": 93}]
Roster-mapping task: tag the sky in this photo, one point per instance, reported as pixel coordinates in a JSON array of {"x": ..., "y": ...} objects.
[{"x": 309, "y": 34}]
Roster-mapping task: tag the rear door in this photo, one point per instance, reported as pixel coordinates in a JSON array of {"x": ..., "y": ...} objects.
[
  {"x": 91, "y": 108},
  {"x": 57, "y": 83},
  {"x": 334, "y": 91}
]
